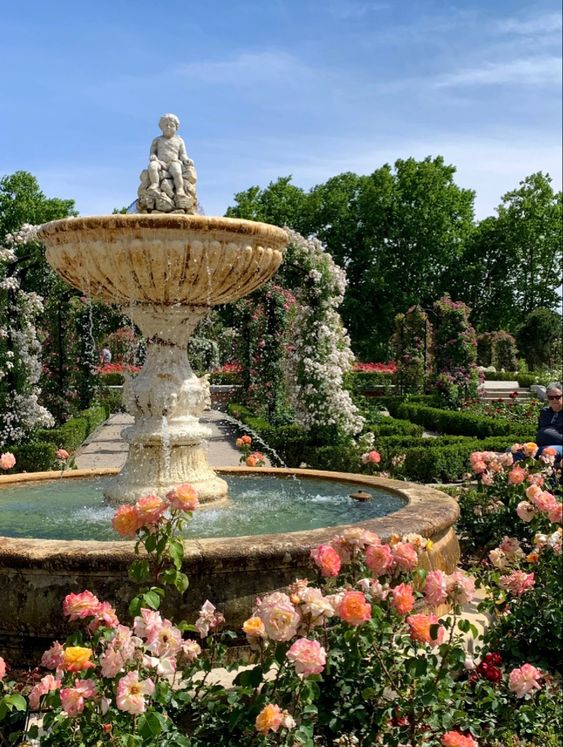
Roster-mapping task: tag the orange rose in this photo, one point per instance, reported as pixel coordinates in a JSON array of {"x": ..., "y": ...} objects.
[
  {"x": 353, "y": 608},
  {"x": 77, "y": 658},
  {"x": 254, "y": 627},
  {"x": 184, "y": 498},
  {"x": 150, "y": 509}
]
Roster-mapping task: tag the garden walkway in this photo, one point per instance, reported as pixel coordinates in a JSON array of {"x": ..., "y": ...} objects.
[{"x": 105, "y": 447}]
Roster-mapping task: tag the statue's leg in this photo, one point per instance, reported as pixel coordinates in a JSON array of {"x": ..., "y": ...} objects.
[
  {"x": 175, "y": 170},
  {"x": 154, "y": 176}
]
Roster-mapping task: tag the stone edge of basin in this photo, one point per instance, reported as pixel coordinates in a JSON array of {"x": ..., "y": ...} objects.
[
  {"x": 428, "y": 512},
  {"x": 180, "y": 222}
]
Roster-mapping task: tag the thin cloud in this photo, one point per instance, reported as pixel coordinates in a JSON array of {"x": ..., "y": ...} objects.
[
  {"x": 245, "y": 69},
  {"x": 546, "y": 24},
  {"x": 538, "y": 71},
  {"x": 346, "y": 9}
]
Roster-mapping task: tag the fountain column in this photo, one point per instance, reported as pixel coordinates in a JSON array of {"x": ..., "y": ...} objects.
[{"x": 167, "y": 443}]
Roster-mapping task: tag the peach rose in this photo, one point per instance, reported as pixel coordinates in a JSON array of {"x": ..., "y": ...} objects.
[
  {"x": 149, "y": 510},
  {"x": 79, "y": 606},
  {"x": 308, "y": 656},
  {"x": 420, "y": 628},
  {"x": 126, "y": 521},
  {"x": 183, "y": 498},
  {"x": 405, "y": 556},
  {"x": 403, "y": 598},
  {"x": 379, "y": 559},
  {"x": 271, "y": 718},
  {"x": 327, "y": 560},
  {"x": 353, "y": 608},
  {"x": 435, "y": 588},
  {"x": 7, "y": 460}
]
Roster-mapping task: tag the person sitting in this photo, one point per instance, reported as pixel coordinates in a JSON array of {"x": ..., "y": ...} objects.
[{"x": 550, "y": 422}]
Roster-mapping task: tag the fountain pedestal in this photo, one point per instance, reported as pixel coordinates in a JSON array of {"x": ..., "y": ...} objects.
[{"x": 166, "y": 272}]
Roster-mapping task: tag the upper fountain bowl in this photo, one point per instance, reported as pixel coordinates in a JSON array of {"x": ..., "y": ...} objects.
[{"x": 165, "y": 259}]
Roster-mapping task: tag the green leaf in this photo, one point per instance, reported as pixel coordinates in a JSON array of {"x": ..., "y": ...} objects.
[
  {"x": 151, "y": 724},
  {"x": 176, "y": 550},
  {"x": 249, "y": 677},
  {"x": 139, "y": 570},
  {"x": 151, "y": 599},
  {"x": 17, "y": 701}
]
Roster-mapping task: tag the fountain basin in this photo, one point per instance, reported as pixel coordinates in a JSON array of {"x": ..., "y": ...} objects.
[{"x": 36, "y": 575}]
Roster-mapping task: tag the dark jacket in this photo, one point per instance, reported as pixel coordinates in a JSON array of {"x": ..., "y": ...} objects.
[{"x": 550, "y": 428}]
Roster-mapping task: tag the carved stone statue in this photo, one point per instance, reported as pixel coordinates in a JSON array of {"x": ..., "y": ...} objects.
[{"x": 168, "y": 184}]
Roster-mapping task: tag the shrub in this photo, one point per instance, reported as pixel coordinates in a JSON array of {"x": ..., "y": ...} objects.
[
  {"x": 360, "y": 382},
  {"x": 34, "y": 456},
  {"x": 455, "y": 351},
  {"x": 539, "y": 338},
  {"x": 485, "y": 349},
  {"x": 504, "y": 351},
  {"x": 458, "y": 423},
  {"x": 412, "y": 343}
]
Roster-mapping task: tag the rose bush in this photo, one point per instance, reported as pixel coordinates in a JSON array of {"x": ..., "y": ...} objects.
[{"x": 363, "y": 657}]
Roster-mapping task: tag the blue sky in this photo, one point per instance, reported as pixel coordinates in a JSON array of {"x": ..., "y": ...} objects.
[{"x": 267, "y": 88}]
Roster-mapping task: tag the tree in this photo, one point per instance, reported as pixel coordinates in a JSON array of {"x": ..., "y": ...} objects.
[
  {"x": 281, "y": 203},
  {"x": 512, "y": 263},
  {"x": 539, "y": 338}
]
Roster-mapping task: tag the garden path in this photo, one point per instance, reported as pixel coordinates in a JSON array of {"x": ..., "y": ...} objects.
[{"x": 105, "y": 447}]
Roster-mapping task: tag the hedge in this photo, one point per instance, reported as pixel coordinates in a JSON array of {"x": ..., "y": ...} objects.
[
  {"x": 447, "y": 463},
  {"x": 34, "y": 457},
  {"x": 524, "y": 379},
  {"x": 38, "y": 455},
  {"x": 458, "y": 423},
  {"x": 359, "y": 382}
]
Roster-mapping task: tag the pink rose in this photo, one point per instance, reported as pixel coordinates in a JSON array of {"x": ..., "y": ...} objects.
[
  {"x": 525, "y": 511},
  {"x": 518, "y": 582},
  {"x": 371, "y": 457},
  {"x": 555, "y": 514},
  {"x": 379, "y": 559},
  {"x": 308, "y": 656},
  {"x": 544, "y": 501},
  {"x": 435, "y": 588},
  {"x": 209, "y": 619},
  {"x": 150, "y": 509},
  {"x": 461, "y": 587},
  {"x": 327, "y": 560},
  {"x": 2, "y": 668},
  {"x": 131, "y": 691},
  {"x": 279, "y": 616},
  {"x": 53, "y": 657},
  {"x": 457, "y": 739},
  {"x": 524, "y": 680},
  {"x": 183, "y": 498},
  {"x": 478, "y": 467},
  {"x": 62, "y": 454},
  {"x": 7, "y": 460},
  {"x": 79, "y": 606},
  {"x": 44, "y": 686}
]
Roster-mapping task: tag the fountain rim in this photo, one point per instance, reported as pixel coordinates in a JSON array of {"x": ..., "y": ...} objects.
[
  {"x": 428, "y": 512},
  {"x": 175, "y": 221}
]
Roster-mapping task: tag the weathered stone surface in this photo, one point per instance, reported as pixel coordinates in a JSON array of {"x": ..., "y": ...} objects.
[
  {"x": 166, "y": 271},
  {"x": 36, "y": 575}
]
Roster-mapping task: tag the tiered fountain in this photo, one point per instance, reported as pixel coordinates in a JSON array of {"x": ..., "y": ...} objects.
[{"x": 166, "y": 267}]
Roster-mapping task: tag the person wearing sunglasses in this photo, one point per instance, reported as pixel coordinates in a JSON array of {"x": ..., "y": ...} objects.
[{"x": 550, "y": 423}]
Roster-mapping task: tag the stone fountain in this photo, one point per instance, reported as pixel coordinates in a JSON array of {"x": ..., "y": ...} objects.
[{"x": 165, "y": 267}]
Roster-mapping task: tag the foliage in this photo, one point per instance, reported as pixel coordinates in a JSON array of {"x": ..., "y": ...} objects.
[
  {"x": 539, "y": 338},
  {"x": 20, "y": 349},
  {"x": 411, "y": 345},
  {"x": 511, "y": 263},
  {"x": 319, "y": 353},
  {"x": 398, "y": 233},
  {"x": 203, "y": 354},
  {"x": 504, "y": 351},
  {"x": 351, "y": 655},
  {"x": 455, "y": 351},
  {"x": 524, "y": 414},
  {"x": 263, "y": 320},
  {"x": 513, "y": 515},
  {"x": 485, "y": 349}
]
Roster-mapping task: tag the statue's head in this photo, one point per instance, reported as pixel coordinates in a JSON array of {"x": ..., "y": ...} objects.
[{"x": 169, "y": 122}]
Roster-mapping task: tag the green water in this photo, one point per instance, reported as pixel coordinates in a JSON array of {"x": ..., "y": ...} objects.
[{"x": 260, "y": 504}]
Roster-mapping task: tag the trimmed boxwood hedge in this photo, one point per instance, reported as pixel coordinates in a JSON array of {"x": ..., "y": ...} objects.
[
  {"x": 441, "y": 459},
  {"x": 38, "y": 455},
  {"x": 458, "y": 423}
]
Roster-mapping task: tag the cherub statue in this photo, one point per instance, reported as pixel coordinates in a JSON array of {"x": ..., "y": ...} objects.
[{"x": 168, "y": 184}]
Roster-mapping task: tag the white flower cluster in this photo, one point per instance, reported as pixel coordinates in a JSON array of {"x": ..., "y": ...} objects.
[
  {"x": 320, "y": 352},
  {"x": 20, "y": 349}
]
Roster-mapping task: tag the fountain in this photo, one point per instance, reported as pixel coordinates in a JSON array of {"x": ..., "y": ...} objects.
[{"x": 166, "y": 267}]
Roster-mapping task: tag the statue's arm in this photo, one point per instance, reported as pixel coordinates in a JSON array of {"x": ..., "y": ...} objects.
[
  {"x": 154, "y": 150},
  {"x": 183, "y": 153}
]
